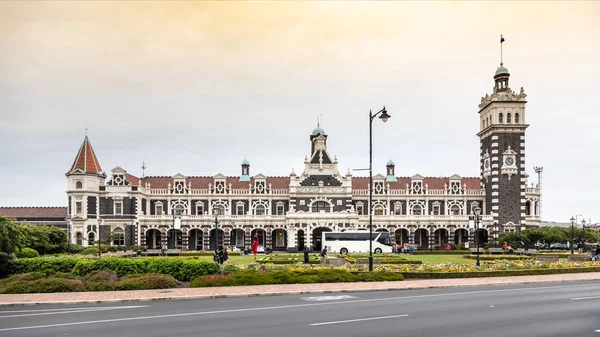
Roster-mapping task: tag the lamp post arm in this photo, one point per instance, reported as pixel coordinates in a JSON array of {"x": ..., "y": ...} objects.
[{"x": 372, "y": 116}]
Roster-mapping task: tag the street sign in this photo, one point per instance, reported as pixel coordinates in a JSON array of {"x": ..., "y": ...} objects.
[{"x": 177, "y": 223}]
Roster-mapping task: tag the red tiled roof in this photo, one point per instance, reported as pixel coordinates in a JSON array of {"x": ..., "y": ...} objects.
[
  {"x": 33, "y": 212},
  {"x": 202, "y": 182},
  {"x": 433, "y": 183},
  {"x": 132, "y": 179},
  {"x": 86, "y": 159}
]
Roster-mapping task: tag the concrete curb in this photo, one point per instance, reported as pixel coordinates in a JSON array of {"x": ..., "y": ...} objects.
[{"x": 297, "y": 292}]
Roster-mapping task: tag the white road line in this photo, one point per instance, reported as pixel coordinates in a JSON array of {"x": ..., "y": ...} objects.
[
  {"x": 291, "y": 306},
  {"x": 68, "y": 309},
  {"x": 357, "y": 320},
  {"x": 584, "y": 298},
  {"x": 72, "y": 311}
]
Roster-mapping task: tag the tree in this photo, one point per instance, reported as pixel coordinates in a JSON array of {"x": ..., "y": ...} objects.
[{"x": 12, "y": 235}]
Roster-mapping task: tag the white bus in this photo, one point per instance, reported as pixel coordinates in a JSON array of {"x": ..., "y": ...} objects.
[{"x": 356, "y": 242}]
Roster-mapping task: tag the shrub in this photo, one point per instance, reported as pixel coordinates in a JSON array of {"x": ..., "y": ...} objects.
[
  {"x": 112, "y": 249},
  {"x": 89, "y": 251},
  {"x": 120, "y": 266},
  {"x": 146, "y": 281},
  {"x": 47, "y": 266},
  {"x": 100, "y": 280},
  {"x": 45, "y": 285},
  {"x": 68, "y": 276},
  {"x": 27, "y": 253},
  {"x": 307, "y": 279},
  {"x": 230, "y": 268},
  {"x": 379, "y": 276},
  {"x": 74, "y": 248},
  {"x": 211, "y": 281},
  {"x": 4, "y": 260},
  {"x": 135, "y": 248}
]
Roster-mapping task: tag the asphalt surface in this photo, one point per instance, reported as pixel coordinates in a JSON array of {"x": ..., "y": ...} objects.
[{"x": 564, "y": 309}]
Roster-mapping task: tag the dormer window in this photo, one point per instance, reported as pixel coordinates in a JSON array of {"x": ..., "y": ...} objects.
[
  {"x": 260, "y": 188},
  {"x": 455, "y": 187},
  {"x": 179, "y": 187},
  {"x": 378, "y": 188},
  {"x": 78, "y": 185},
  {"x": 417, "y": 187}
]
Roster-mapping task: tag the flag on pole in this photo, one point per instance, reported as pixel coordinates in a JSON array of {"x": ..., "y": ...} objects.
[{"x": 501, "y": 39}]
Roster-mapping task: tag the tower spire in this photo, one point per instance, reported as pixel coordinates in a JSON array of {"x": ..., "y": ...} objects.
[
  {"x": 86, "y": 160},
  {"x": 143, "y": 168}
]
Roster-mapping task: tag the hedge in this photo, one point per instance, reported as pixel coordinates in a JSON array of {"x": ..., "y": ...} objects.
[
  {"x": 208, "y": 253},
  {"x": 252, "y": 277},
  {"x": 497, "y": 257},
  {"x": 180, "y": 269},
  {"x": 289, "y": 259},
  {"x": 384, "y": 258},
  {"x": 497, "y": 273},
  {"x": 442, "y": 252}
]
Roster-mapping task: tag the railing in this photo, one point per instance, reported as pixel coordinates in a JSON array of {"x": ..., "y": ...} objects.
[
  {"x": 532, "y": 190},
  {"x": 206, "y": 191},
  {"x": 110, "y": 188},
  {"x": 427, "y": 192}
]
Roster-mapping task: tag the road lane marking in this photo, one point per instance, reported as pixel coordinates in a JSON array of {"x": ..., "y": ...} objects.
[
  {"x": 357, "y": 320},
  {"x": 74, "y": 310},
  {"x": 584, "y": 298},
  {"x": 65, "y": 309},
  {"x": 327, "y": 298},
  {"x": 291, "y": 306}
]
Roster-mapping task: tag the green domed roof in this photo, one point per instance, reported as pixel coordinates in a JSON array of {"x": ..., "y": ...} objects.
[
  {"x": 390, "y": 162},
  {"x": 501, "y": 70},
  {"x": 318, "y": 130},
  {"x": 245, "y": 162}
]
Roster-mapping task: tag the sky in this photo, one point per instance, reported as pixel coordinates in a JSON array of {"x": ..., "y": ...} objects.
[{"x": 195, "y": 87}]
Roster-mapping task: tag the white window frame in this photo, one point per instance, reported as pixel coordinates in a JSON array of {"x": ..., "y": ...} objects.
[
  {"x": 436, "y": 208},
  {"x": 78, "y": 207},
  {"x": 398, "y": 208},
  {"x": 159, "y": 206},
  {"x": 200, "y": 209},
  {"x": 240, "y": 205},
  {"x": 360, "y": 208},
  {"x": 262, "y": 207},
  {"x": 420, "y": 210},
  {"x": 115, "y": 203},
  {"x": 121, "y": 239},
  {"x": 77, "y": 185},
  {"x": 378, "y": 210},
  {"x": 280, "y": 208}
]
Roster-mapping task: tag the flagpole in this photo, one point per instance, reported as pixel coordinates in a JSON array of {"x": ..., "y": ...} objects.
[{"x": 501, "y": 62}]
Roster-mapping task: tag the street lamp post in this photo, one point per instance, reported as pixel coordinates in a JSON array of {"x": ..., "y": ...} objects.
[
  {"x": 572, "y": 233},
  {"x": 384, "y": 116},
  {"x": 477, "y": 211},
  {"x": 217, "y": 231},
  {"x": 582, "y": 234}
]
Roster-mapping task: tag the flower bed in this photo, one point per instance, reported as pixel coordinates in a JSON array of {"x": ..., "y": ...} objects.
[
  {"x": 383, "y": 258},
  {"x": 497, "y": 257},
  {"x": 289, "y": 259}
]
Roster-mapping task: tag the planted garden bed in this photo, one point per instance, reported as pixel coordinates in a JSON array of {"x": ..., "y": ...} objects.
[
  {"x": 383, "y": 258},
  {"x": 289, "y": 259}
]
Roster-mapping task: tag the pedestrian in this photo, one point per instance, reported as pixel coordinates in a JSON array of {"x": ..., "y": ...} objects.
[
  {"x": 216, "y": 256},
  {"x": 255, "y": 246},
  {"x": 324, "y": 252},
  {"x": 448, "y": 247},
  {"x": 306, "y": 255},
  {"x": 398, "y": 248},
  {"x": 224, "y": 256}
]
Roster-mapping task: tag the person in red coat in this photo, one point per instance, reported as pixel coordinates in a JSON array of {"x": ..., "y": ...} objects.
[{"x": 255, "y": 246}]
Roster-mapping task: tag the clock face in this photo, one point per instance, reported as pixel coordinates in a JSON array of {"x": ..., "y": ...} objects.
[{"x": 509, "y": 161}]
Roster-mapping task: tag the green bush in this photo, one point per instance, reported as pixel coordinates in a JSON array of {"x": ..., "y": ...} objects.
[
  {"x": 230, "y": 268},
  {"x": 89, "y": 251},
  {"x": 146, "y": 281},
  {"x": 100, "y": 280},
  {"x": 27, "y": 253},
  {"x": 47, "y": 266},
  {"x": 113, "y": 249},
  {"x": 549, "y": 271},
  {"x": 73, "y": 248},
  {"x": 68, "y": 276},
  {"x": 120, "y": 266},
  {"x": 379, "y": 276},
  {"x": 307, "y": 279},
  {"x": 135, "y": 248},
  {"x": 45, "y": 285},
  {"x": 4, "y": 261},
  {"x": 383, "y": 258}
]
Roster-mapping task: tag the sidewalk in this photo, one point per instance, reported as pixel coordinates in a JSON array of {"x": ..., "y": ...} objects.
[{"x": 242, "y": 291}]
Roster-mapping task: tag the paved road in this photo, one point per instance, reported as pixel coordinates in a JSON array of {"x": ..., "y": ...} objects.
[{"x": 565, "y": 309}]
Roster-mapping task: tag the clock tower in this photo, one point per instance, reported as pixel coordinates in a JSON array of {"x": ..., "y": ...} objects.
[{"x": 502, "y": 120}]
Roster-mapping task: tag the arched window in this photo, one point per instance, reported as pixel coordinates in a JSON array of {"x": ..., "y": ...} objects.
[
  {"x": 260, "y": 210},
  {"x": 508, "y": 119},
  {"x": 179, "y": 210},
  {"x": 219, "y": 210},
  {"x": 78, "y": 185},
  {"x": 500, "y": 118},
  {"x": 118, "y": 237},
  {"x": 378, "y": 210},
  {"x": 91, "y": 238},
  {"x": 516, "y": 118},
  {"x": 417, "y": 210},
  {"x": 455, "y": 210},
  {"x": 318, "y": 206},
  {"x": 79, "y": 238}
]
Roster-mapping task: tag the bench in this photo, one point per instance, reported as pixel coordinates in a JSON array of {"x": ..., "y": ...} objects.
[
  {"x": 334, "y": 261},
  {"x": 496, "y": 250},
  {"x": 474, "y": 250},
  {"x": 365, "y": 260},
  {"x": 547, "y": 258},
  {"x": 152, "y": 252},
  {"x": 579, "y": 258},
  {"x": 532, "y": 251},
  {"x": 129, "y": 253}
]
